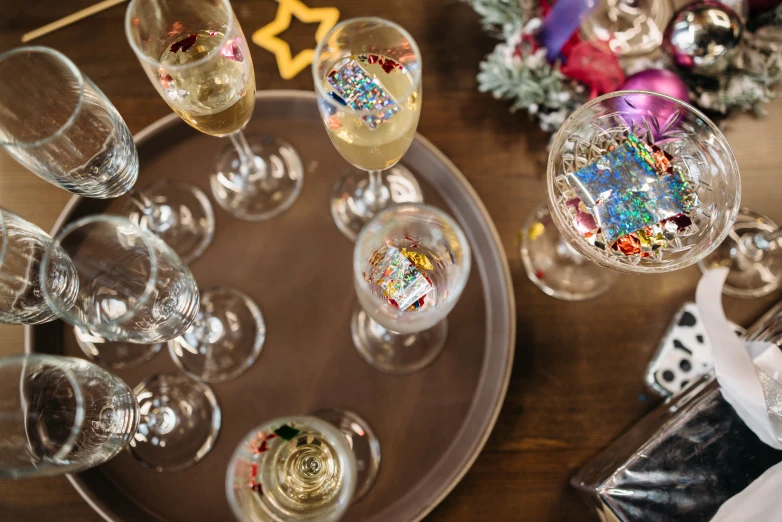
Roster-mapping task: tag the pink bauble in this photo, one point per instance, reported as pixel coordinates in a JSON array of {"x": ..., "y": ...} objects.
[{"x": 661, "y": 81}]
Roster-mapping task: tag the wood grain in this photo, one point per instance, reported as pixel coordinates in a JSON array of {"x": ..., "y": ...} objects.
[{"x": 578, "y": 376}]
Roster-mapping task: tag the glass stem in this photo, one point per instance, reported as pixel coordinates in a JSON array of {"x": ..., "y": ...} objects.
[
  {"x": 159, "y": 217},
  {"x": 755, "y": 246},
  {"x": 376, "y": 194},
  {"x": 249, "y": 163}
]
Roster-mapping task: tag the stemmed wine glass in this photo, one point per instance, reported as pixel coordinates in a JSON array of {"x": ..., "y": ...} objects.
[
  {"x": 410, "y": 265},
  {"x": 637, "y": 182},
  {"x": 58, "y": 124},
  {"x": 22, "y": 246},
  {"x": 134, "y": 288},
  {"x": 196, "y": 56},
  {"x": 630, "y": 27},
  {"x": 64, "y": 415},
  {"x": 61, "y": 415},
  {"x": 753, "y": 253},
  {"x": 295, "y": 468},
  {"x": 367, "y": 74}
]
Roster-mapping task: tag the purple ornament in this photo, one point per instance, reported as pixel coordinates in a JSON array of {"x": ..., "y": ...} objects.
[
  {"x": 661, "y": 81},
  {"x": 637, "y": 107}
]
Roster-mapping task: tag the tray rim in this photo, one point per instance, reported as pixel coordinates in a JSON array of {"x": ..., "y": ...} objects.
[{"x": 105, "y": 511}]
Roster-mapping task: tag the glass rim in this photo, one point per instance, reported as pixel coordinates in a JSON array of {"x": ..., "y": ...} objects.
[
  {"x": 81, "y": 79},
  {"x": 141, "y": 55},
  {"x": 561, "y": 221},
  {"x": 61, "y": 363},
  {"x": 327, "y": 429},
  {"x": 323, "y": 93},
  {"x": 79, "y": 223},
  {"x": 450, "y": 221}
]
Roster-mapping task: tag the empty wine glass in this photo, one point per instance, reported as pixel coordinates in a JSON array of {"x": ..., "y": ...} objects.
[
  {"x": 61, "y": 415},
  {"x": 629, "y": 27},
  {"x": 22, "y": 246},
  {"x": 638, "y": 182},
  {"x": 58, "y": 124},
  {"x": 367, "y": 74},
  {"x": 178, "y": 213},
  {"x": 753, "y": 252},
  {"x": 292, "y": 469},
  {"x": 179, "y": 420},
  {"x": 196, "y": 56},
  {"x": 132, "y": 286},
  {"x": 410, "y": 265},
  {"x": 225, "y": 339}
]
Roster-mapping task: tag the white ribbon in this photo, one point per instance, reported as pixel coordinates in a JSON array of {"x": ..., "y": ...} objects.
[{"x": 752, "y": 388}]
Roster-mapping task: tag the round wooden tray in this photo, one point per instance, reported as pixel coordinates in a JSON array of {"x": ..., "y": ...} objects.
[{"x": 431, "y": 425}]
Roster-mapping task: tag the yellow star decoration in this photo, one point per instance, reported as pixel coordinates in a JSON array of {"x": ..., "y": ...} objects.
[{"x": 266, "y": 36}]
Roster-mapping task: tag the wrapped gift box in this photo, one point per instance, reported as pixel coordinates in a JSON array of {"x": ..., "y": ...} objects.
[{"x": 684, "y": 459}]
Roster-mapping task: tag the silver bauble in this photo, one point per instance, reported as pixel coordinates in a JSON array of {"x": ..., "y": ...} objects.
[{"x": 703, "y": 38}]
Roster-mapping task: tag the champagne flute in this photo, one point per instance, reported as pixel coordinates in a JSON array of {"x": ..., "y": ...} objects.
[
  {"x": 134, "y": 288},
  {"x": 58, "y": 124},
  {"x": 65, "y": 415},
  {"x": 367, "y": 74},
  {"x": 410, "y": 266},
  {"x": 196, "y": 56},
  {"x": 22, "y": 247},
  {"x": 61, "y": 415},
  {"x": 297, "y": 468}
]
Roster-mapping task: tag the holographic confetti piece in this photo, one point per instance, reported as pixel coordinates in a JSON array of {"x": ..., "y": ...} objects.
[
  {"x": 232, "y": 51},
  {"x": 185, "y": 43},
  {"x": 628, "y": 245},
  {"x": 363, "y": 93},
  {"x": 627, "y": 189},
  {"x": 536, "y": 230},
  {"x": 286, "y": 432},
  {"x": 399, "y": 279}
]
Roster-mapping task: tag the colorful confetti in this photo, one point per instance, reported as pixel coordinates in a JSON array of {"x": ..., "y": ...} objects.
[
  {"x": 629, "y": 188},
  {"x": 185, "y": 43},
  {"x": 362, "y": 93},
  {"x": 402, "y": 283},
  {"x": 232, "y": 51},
  {"x": 420, "y": 261},
  {"x": 286, "y": 432}
]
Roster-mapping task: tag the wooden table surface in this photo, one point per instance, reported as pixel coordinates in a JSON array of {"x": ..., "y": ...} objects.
[{"x": 578, "y": 373}]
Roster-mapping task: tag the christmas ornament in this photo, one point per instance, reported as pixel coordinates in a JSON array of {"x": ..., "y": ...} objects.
[
  {"x": 661, "y": 81},
  {"x": 703, "y": 38},
  {"x": 268, "y": 35}
]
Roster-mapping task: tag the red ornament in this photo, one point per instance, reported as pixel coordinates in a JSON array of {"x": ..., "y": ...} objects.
[
  {"x": 185, "y": 43},
  {"x": 593, "y": 64}
]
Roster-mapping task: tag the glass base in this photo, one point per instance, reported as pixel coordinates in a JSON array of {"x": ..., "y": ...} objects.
[
  {"x": 179, "y": 422},
  {"x": 351, "y": 207},
  {"x": 178, "y": 213},
  {"x": 749, "y": 277},
  {"x": 393, "y": 352},
  {"x": 555, "y": 267},
  {"x": 225, "y": 339},
  {"x": 630, "y": 27},
  {"x": 268, "y": 192},
  {"x": 114, "y": 355},
  {"x": 363, "y": 442}
]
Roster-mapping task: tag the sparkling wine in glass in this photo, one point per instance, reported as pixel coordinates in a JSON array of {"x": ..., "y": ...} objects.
[
  {"x": 196, "y": 56},
  {"x": 367, "y": 74},
  {"x": 410, "y": 265},
  {"x": 295, "y": 469}
]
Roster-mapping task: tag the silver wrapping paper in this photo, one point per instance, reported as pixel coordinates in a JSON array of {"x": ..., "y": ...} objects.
[{"x": 684, "y": 459}]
